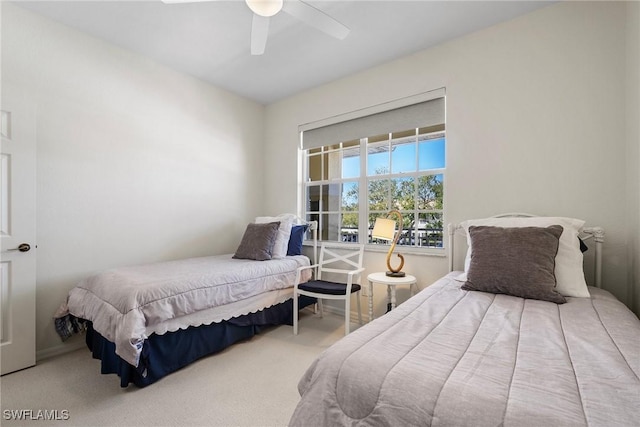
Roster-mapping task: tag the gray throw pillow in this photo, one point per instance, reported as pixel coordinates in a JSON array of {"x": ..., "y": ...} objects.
[
  {"x": 516, "y": 261},
  {"x": 257, "y": 242}
]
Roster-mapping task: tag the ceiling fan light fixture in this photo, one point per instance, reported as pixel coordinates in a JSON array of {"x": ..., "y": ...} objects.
[{"x": 265, "y": 8}]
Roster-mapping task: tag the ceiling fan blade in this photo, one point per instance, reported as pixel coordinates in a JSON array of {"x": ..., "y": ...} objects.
[
  {"x": 259, "y": 32},
  {"x": 316, "y": 18}
]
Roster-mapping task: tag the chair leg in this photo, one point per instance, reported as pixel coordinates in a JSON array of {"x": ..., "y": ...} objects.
[
  {"x": 347, "y": 314},
  {"x": 295, "y": 313},
  {"x": 359, "y": 308},
  {"x": 320, "y": 307}
]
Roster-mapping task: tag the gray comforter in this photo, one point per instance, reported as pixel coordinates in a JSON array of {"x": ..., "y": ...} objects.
[{"x": 449, "y": 357}]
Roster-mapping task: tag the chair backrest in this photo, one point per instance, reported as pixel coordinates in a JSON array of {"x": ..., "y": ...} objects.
[{"x": 340, "y": 259}]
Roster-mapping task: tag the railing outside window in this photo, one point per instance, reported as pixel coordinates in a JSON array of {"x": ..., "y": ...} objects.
[{"x": 425, "y": 237}]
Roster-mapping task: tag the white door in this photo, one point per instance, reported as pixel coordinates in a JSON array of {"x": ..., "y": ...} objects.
[{"x": 17, "y": 231}]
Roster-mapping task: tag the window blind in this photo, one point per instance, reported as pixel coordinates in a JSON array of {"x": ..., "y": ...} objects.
[{"x": 372, "y": 121}]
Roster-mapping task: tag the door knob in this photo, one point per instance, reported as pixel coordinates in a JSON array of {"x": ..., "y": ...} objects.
[{"x": 23, "y": 247}]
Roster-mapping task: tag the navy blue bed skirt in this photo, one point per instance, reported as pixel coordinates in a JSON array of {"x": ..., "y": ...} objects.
[{"x": 164, "y": 354}]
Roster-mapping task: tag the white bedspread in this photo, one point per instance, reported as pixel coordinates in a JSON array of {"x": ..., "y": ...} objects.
[{"x": 125, "y": 304}]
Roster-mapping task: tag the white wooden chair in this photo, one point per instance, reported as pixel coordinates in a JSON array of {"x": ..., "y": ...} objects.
[{"x": 324, "y": 289}]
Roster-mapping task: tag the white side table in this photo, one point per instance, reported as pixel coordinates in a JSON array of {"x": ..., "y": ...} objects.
[{"x": 391, "y": 283}]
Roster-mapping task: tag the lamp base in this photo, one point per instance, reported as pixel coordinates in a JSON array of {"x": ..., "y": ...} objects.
[{"x": 393, "y": 274}]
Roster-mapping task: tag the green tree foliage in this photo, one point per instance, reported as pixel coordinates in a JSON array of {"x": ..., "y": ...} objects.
[{"x": 398, "y": 193}]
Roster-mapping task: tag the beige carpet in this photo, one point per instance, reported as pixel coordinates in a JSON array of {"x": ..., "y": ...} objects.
[{"x": 252, "y": 383}]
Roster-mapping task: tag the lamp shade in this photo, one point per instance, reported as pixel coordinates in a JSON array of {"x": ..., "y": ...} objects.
[{"x": 384, "y": 229}]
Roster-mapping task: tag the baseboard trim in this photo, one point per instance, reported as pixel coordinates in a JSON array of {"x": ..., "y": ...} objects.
[
  {"x": 340, "y": 312},
  {"x": 58, "y": 350}
]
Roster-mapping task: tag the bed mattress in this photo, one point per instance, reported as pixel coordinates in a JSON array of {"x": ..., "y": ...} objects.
[{"x": 449, "y": 357}]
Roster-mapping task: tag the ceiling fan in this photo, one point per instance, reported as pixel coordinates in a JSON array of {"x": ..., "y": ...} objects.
[{"x": 264, "y": 9}]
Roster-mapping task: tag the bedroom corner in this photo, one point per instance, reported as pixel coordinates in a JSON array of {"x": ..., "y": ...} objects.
[{"x": 130, "y": 158}]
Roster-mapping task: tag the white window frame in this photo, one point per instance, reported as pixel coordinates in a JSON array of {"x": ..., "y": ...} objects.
[
  {"x": 363, "y": 194},
  {"x": 363, "y": 179}
]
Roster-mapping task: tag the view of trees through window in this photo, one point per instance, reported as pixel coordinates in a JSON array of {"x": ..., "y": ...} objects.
[{"x": 350, "y": 184}]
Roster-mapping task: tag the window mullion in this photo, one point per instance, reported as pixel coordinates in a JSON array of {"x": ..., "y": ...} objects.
[
  {"x": 389, "y": 195},
  {"x": 416, "y": 215},
  {"x": 363, "y": 196}
]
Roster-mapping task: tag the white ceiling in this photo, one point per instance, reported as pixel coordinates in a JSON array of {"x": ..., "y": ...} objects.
[{"x": 211, "y": 40}]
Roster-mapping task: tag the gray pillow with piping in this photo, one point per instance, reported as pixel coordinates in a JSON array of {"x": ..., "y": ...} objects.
[
  {"x": 517, "y": 261},
  {"x": 258, "y": 241}
]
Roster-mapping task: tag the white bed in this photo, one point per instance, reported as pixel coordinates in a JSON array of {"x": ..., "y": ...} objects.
[
  {"x": 129, "y": 306},
  {"x": 455, "y": 357}
]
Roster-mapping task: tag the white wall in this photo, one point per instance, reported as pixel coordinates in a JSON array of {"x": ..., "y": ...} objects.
[
  {"x": 136, "y": 162},
  {"x": 535, "y": 123},
  {"x": 131, "y": 154},
  {"x": 633, "y": 147}
]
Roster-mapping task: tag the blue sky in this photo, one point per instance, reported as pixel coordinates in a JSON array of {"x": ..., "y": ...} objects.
[{"x": 430, "y": 156}]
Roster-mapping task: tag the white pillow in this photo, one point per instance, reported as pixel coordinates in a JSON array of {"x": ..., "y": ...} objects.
[
  {"x": 284, "y": 232},
  {"x": 568, "y": 270}
]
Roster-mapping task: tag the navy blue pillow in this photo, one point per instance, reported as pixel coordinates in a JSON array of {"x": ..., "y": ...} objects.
[
  {"x": 295, "y": 241},
  {"x": 583, "y": 248}
]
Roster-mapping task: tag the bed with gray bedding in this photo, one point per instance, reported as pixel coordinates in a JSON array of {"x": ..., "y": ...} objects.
[
  {"x": 455, "y": 357},
  {"x": 450, "y": 357}
]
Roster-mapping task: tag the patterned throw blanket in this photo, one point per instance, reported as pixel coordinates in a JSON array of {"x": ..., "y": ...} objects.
[{"x": 68, "y": 325}]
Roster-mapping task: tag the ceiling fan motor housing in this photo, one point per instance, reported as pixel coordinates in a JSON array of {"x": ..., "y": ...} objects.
[{"x": 265, "y": 7}]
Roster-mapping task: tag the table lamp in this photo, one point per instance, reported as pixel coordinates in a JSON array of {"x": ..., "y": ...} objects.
[{"x": 384, "y": 229}]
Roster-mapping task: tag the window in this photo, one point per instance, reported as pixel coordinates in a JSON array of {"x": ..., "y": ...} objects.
[{"x": 349, "y": 183}]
